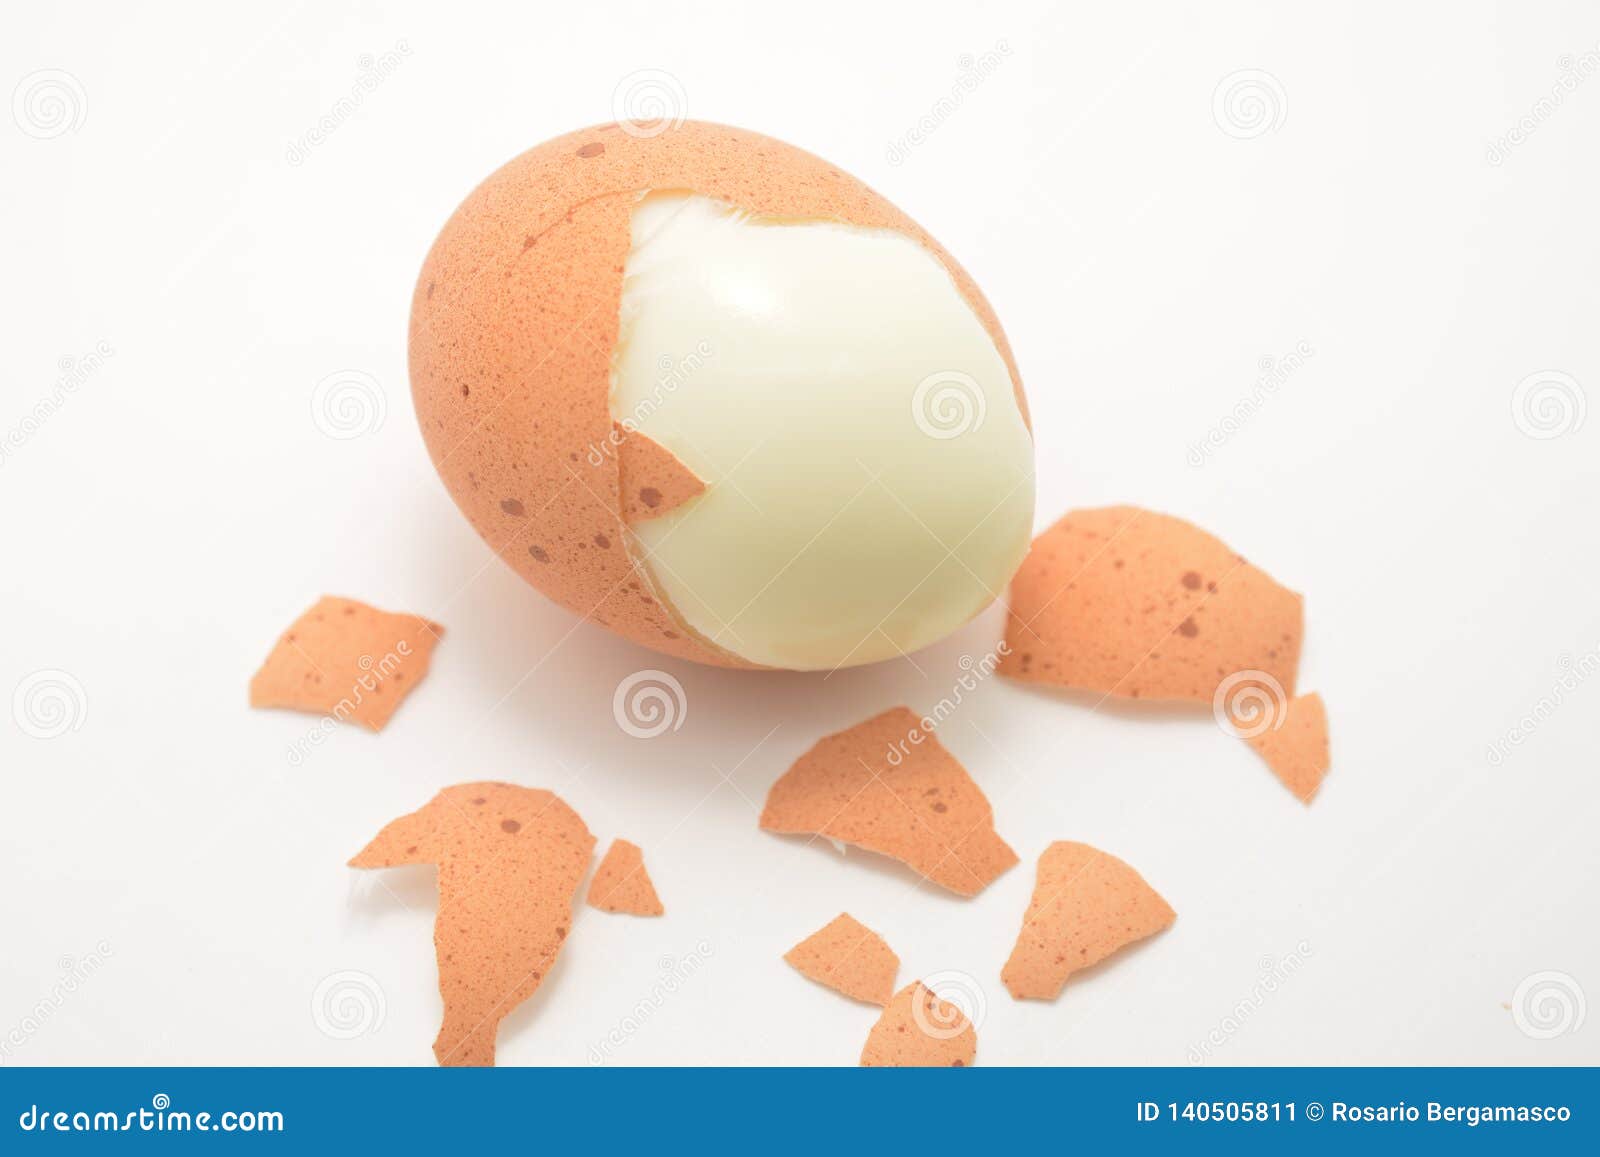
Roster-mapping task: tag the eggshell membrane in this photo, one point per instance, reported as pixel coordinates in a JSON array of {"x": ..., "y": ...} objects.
[
  {"x": 918, "y": 1030},
  {"x": 510, "y": 861},
  {"x": 513, "y": 325},
  {"x": 1136, "y": 604},
  {"x": 1086, "y": 904},
  {"x": 650, "y": 478},
  {"x": 621, "y": 883},
  {"x": 848, "y": 957},
  {"x": 1297, "y": 750},
  {"x": 342, "y": 659},
  {"x": 925, "y": 810}
]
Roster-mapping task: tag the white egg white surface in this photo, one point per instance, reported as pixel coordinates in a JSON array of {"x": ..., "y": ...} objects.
[{"x": 869, "y": 475}]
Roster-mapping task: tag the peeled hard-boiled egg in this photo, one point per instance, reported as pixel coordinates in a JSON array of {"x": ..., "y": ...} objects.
[{"x": 706, "y": 390}]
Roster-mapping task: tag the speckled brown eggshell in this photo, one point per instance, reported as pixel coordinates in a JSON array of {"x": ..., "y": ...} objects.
[
  {"x": 1133, "y": 603},
  {"x": 510, "y": 860},
  {"x": 515, "y": 320}
]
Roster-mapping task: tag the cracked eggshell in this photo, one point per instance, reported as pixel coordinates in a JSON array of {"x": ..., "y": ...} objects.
[{"x": 514, "y": 321}]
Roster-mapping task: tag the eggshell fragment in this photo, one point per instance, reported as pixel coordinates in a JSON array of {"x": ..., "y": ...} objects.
[
  {"x": 651, "y": 479},
  {"x": 510, "y": 862},
  {"x": 1297, "y": 748},
  {"x": 1132, "y": 603},
  {"x": 872, "y": 786},
  {"x": 514, "y": 323},
  {"x": 621, "y": 884},
  {"x": 346, "y": 660},
  {"x": 918, "y": 1030},
  {"x": 1086, "y": 904},
  {"x": 848, "y": 957}
]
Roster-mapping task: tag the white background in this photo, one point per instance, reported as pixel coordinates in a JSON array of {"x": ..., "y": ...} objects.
[{"x": 182, "y": 504}]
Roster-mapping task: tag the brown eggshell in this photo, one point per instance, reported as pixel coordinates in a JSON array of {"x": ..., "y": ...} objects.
[
  {"x": 513, "y": 326},
  {"x": 1297, "y": 749},
  {"x": 346, "y": 660},
  {"x": 621, "y": 884},
  {"x": 1132, "y": 603},
  {"x": 872, "y": 786},
  {"x": 510, "y": 861},
  {"x": 1086, "y": 904},
  {"x": 848, "y": 957},
  {"x": 652, "y": 480},
  {"x": 919, "y": 1030}
]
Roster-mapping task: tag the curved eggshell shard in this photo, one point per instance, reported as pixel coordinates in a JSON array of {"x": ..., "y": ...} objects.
[
  {"x": 345, "y": 660},
  {"x": 1086, "y": 904},
  {"x": 651, "y": 480},
  {"x": 621, "y": 883},
  {"x": 1297, "y": 749},
  {"x": 848, "y": 957},
  {"x": 1132, "y": 603},
  {"x": 876, "y": 786},
  {"x": 918, "y": 1030},
  {"x": 510, "y": 862},
  {"x": 513, "y": 326}
]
